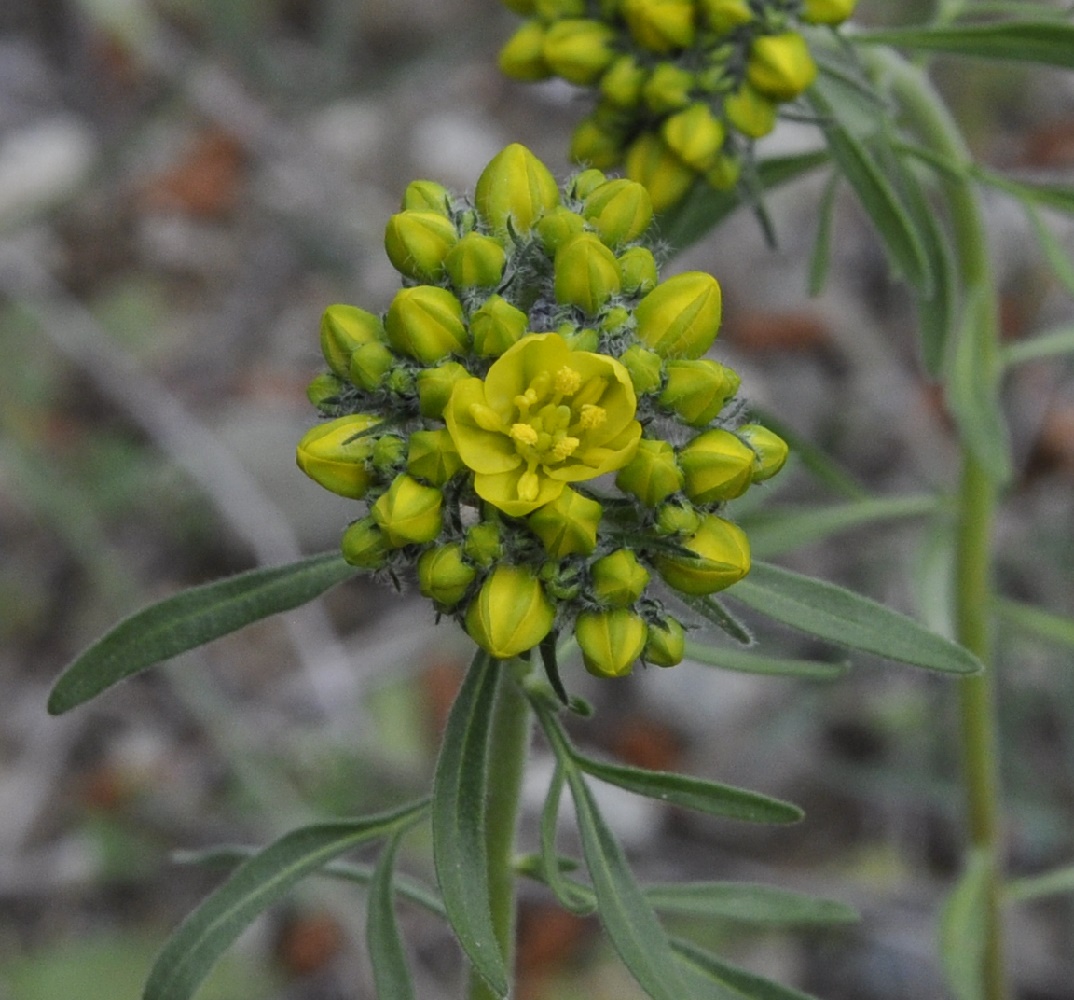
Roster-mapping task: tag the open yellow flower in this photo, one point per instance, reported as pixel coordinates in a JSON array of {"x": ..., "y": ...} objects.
[{"x": 544, "y": 416}]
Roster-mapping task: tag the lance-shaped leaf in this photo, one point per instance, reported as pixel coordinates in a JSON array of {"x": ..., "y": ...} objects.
[
  {"x": 206, "y": 933},
  {"x": 740, "y": 984},
  {"x": 1047, "y": 625},
  {"x": 569, "y": 895},
  {"x": 1045, "y": 42},
  {"x": 391, "y": 975},
  {"x": 964, "y": 929},
  {"x": 744, "y": 661},
  {"x": 848, "y": 619},
  {"x": 458, "y": 819},
  {"x": 693, "y": 793},
  {"x": 193, "y": 618},
  {"x": 748, "y": 903},
  {"x": 1044, "y": 345},
  {"x": 1058, "y": 882}
]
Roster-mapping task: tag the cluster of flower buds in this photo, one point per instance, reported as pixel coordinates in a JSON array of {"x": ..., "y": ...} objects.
[
  {"x": 683, "y": 86},
  {"x": 531, "y": 425}
]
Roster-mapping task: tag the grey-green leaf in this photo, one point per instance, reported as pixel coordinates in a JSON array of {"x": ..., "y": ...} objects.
[
  {"x": 1058, "y": 882},
  {"x": 693, "y": 793},
  {"x": 964, "y": 930},
  {"x": 206, "y": 933},
  {"x": 848, "y": 619},
  {"x": 458, "y": 821},
  {"x": 1044, "y": 345},
  {"x": 739, "y": 982},
  {"x": 748, "y": 903},
  {"x": 1045, "y": 42},
  {"x": 744, "y": 661},
  {"x": 820, "y": 259},
  {"x": 193, "y": 618},
  {"x": 1047, "y": 625},
  {"x": 391, "y": 975}
]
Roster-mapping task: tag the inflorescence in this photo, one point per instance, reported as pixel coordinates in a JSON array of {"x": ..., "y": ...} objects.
[
  {"x": 683, "y": 86},
  {"x": 532, "y": 425}
]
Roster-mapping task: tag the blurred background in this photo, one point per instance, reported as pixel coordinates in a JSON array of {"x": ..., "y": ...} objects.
[{"x": 184, "y": 186}]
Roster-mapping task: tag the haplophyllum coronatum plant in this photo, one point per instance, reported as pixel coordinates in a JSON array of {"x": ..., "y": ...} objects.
[{"x": 534, "y": 431}]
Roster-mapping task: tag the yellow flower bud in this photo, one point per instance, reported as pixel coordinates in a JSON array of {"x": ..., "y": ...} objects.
[
  {"x": 484, "y": 543},
  {"x": 769, "y": 450},
  {"x": 596, "y": 144},
  {"x": 637, "y": 265},
  {"x": 417, "y": 242},
  {"x": 617, "y": 319},
  {"x": 522, "y": 57},
  {"x": 610, "y": 641},
  {"x": 724, "y": 173},
  {"x": 717, "y": 467},
  {"x": 568, "y": 525},
  {"x": 583, "y": 183},
  {"x": 780, "y": 66},
  {"x": 370, "y": 364},
  {"x": 622, "y": 82},
  {"x": 665, "y": 176},
  {"x": 426, "y": 322},
  {"x": 408, "y": 512},
  {"x": 323, "y": 391},
  {"x": 660, "y": 25},
  {"x": 620, "y": 210},
  {"x": 698, "y": 390},
  {"x": 725, "y": 15},
  {"x": 668, "y": 88},
  {"x": 510, "y": 614},
  {"x": 476, "y": 261},
  {"x": 827, "y": 11},
  {"x": 435, "y": 385},
  {"x": 496, "y": 326},
  {"x": 664, "y": 645},
  {"x": 363, "y": 544},
  {"x": 343, "y": 330},
  {"x": 721, "y": 558},
  {"x": 694, "y": 136},
  {"x": 579, "y": 50},
  {"x": 750, "y": 112},
  {"x": 388, "y": 454},
  {"x": 584, "y": 339},
  {"x": 681, "y": 316},
  {"x": 432, "y": 456},
  {"x": 646, "y": 368},
  {"x": 336, "y": 454},
  {"x": 427, "y": 196},
  {"x": 673, "y": 519},
  {"x": 653, "y": 474},
  {"x": 586, "y": 273},
  {"x": 618, "y": 578},
  {"x": 559, "y": 226},
  {"x": 515, "y": 188},
  {"x": 444, "y": 576}
]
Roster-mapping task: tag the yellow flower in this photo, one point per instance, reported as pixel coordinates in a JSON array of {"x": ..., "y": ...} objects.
[
  {"x": 510, "y": 613},
  {"x": 543, "y": 417}
]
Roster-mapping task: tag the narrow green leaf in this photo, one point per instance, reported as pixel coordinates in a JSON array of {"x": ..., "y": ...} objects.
[
  {"x": 705, "y": 207},
  {"x": 820, "y": 259},
  {"x": 747, "y": 662},
  {"x": 964, "y": 929},
  {"x": 391, "y": 975},
  {"x": 865, "y": 173},
  {"x": 693, "y": 793},
  {"x": 1055, "y": 628},
  {"x": 973, "y": 386},
  {"x": 1044, "y": 42},
  {"x": 776, "y": 530},
  {"x": 1059, "y": 882},
  {"x": 193, "y": 618},
  {"x": 748, "y": 903},
  {"x": 207, "y": 932},
  {"x": 458, "y": 819},
  {"x": 848, "y": 619},
  {"x": 1054, "y": 251},
  {"x": 1057, "y": 196},
  {"x": 567, "y": 893},
  {"x": 716, "y": 614},
  {"x": 1044, "y": 345},
  {"x": 743, "y": 984},
  {"x": 625, "y": 914}
]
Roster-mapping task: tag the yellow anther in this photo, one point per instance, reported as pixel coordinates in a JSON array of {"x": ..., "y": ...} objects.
[
  {"x": 524, "y": 434},
  {"x": 564, "y": 448},
  {"x": 526, "y": 400},
  {"x": 568, "y": 381},
  {"x": 528, "y": 486},
  {"x": 592, "y": 416},
  {"x": 486, "y": 417}
]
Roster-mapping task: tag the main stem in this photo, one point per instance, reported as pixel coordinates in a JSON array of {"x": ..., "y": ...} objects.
[
  {"x": 977, "y": 501},
  {"x": 510, "y": 739}
]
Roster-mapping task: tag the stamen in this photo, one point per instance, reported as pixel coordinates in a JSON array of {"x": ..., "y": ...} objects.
[
  {"x": 528, "y": 486},
  {"x": 568, "y": 381},
  {"x": 524, "y": 434},
  {"x": 564, "y": 448},
  {"x": 592, "y": 416}
]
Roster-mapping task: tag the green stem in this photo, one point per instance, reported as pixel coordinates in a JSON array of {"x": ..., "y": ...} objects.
[
  {"x": 510, "y": 739},
  {"x": 977, "y": 501}
]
